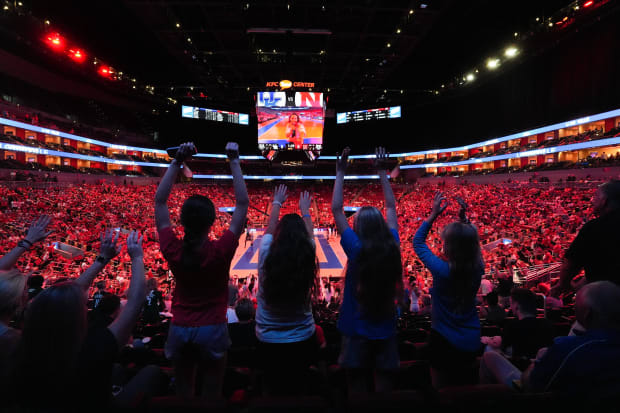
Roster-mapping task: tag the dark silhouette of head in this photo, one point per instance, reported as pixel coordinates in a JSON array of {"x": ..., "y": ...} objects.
[
  {"x": 197, "y": 216},
  {"x": 291, "y": 265},
  {"x": 378, "y": 266}
]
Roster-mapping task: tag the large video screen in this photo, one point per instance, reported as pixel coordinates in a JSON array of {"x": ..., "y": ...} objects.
[
  {"x": 368, "y": 114},
  {"x": 215, "y": 115},
  {"x": 290, "y": 121}
]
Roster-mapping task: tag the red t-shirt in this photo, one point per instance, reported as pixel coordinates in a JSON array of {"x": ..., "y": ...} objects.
[{"x": 200, "y": 296}]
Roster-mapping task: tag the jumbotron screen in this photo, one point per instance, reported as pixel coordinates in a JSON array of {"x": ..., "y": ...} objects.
[
  {"x": 215, "y": 115},
  {"x": 368, "y": 114},
  {"x": 290, "y": 121}
]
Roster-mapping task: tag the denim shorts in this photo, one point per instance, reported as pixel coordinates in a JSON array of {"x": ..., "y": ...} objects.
[
  {"x": 363, "y": 353},
  {"x": 208, "y": 342}
]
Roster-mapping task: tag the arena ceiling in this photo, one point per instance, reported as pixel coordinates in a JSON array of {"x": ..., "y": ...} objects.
[{"x": 361, "y": 51}]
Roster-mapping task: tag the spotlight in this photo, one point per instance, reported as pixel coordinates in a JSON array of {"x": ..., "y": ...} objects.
[
  {"x": 492, "y": 63},
  {"x": 470, "y": 77},
  {"x": 511, "y": 52}
]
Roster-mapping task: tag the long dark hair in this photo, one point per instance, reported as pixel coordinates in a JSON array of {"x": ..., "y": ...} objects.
[
  {"x": 54, "y": 330},
  {"x": 378, "y": 265},
  {"x": 291, "y": 265},
  {"x": 461, "y": 246},
  {"x": 197, "y": 216}
]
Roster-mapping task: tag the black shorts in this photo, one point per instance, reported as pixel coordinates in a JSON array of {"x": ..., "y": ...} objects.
[
  {"x": 287, "y": 356},
  {"x": 443, "y": 355}
]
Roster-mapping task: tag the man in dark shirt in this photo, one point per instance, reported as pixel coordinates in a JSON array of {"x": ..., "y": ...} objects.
[
  {"x": 527, "y": 334},
  {"x": 595, "y": 249}
]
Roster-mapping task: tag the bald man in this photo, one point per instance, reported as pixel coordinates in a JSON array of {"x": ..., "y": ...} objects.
[{"x": 585, "y": 366}]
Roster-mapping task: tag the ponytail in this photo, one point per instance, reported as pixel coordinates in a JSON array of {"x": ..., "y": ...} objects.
[{"x": 197, "y": 216}]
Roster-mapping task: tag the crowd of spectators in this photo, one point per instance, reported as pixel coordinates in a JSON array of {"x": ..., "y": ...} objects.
[{"x": 157, "y": 325}]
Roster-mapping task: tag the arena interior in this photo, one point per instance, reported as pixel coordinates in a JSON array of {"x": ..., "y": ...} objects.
[{"x": 511, "y": 108}]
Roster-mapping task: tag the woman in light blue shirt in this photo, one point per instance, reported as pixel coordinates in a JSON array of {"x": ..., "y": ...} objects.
[
  {"x": 455, "y": 325},
  {"x": 286, "y": 281}
]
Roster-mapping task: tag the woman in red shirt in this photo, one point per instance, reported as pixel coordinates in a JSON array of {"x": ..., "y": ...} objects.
[{"x": 198, "y": 337}]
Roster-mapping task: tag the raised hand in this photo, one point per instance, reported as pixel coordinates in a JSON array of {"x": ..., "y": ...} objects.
[
  {"x": 440, "y": 203},
  {"x": 381, "y": 158},
  {"x": 342, "y": 159},
  {"x": 186, "y": 150},
  {"x": 232, "y": 150},
  {"x": 109, "y": 247},
  {"x": 134, "y": 245},
  {"x": 463, "y": 209},
  {"x": 304, "y": 202},
  {"x": 37, "y": 230},
  {"x": 280, "y": 194}
]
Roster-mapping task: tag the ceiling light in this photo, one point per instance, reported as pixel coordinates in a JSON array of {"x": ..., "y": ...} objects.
[
  {"x": 47, "y": 22},
  {"x": 402, "y": 91},
  {"x": 511, "y": 52},
  {"x": 492, "y": 63},
  {"x": 388, "y": 45},
  {"x": 411, "y": 11},
  {"x": 178, "y": 24},
  {"x": 398, "y": 31},
  {"x": 537, "y": 19},
  {"x": 516, "y": 34},
  {"x": 189, "y": 39},
  {"x": 20, "y": 3},
  {"x": 423, "y": 5},
  {"x": 577, "y": 7},
  {"x": 6, "y": 7},
  {"x": 550, "y": 24},
  {"x": 470, "y": 77}
]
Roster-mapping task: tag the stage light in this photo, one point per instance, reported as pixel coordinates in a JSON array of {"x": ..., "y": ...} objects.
[
  {"x": 537, "y": 19},
  {"x": 516, "y": 34},
  {"x": 470, "y": 77},
  {"x": 492, "y": 63},
  {"x": 77, "y": 55},
  {"x": 189, "y": 39},
  {"x": 588, "y": 3},
  {"x": 411, "y": 11},
  {"x": 178, "y": 25},
  {"x": 55, "y": 41},
  {"x": 389, "y": 45},
  {"x": 511, "y": 52},
  {"x": 398, "y": 31},
  {"x": 6, "y": 7},
  {"x": 550, "y": 24},
  {"x": 105, "y": 71}
]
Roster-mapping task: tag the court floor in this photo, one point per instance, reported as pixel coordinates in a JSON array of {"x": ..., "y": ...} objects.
[{"x": 332, "y": 259}]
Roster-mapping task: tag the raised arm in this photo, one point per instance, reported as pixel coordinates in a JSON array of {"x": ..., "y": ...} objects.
[
  {"x": 337, "y": 196},
  {"x": 124, "y": 323},
  {"x": 430, "y": 260},
  {"x": 108, "y": 250},
  {"x": 279, "y": 197},
  {"x": 162, "y": 216},
  {"x": 390, "y": 202},
  {"x": 304, "y": 206},
  {"x": 242, "y": 201},
  {"x": 463, "y": 210},
  {"x": 37, "y": 232}
]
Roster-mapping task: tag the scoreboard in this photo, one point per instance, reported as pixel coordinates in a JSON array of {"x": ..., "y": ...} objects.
[
  {"x": 368, "y": 114},
  {"x": 215, "y": 115}
]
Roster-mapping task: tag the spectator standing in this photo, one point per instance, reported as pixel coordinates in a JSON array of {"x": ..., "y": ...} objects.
[{"x": 198, "y": 337}]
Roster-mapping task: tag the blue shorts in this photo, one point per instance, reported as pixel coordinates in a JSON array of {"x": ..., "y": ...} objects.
[
  {"x": 363, "y": 353},
  {"x": 208, "y": 342}
]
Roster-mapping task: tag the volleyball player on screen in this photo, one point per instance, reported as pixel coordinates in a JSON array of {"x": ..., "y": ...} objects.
[{"x": 295, "y": 130}]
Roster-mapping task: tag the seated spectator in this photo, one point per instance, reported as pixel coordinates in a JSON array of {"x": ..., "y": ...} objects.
[
  {"x": 71, "y": 365},
  {"x": 524, "y": 336},
  {"x": 154, "y": 303},
  {"x": 367, "y": 319},
  {"x": 455, "y": 330},
  {"x": 584, "y": 369},
  {"x": 107, "y": 310},
  {"x": 551, "y": 303},
  {"x": 287, "y": 273},
  {"x": 242, "y": 333},
  {"x": 35, "y": 285},
  {"x": 491, "y": 311}
]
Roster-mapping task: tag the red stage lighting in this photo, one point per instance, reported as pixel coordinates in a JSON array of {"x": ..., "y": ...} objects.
[
  {"x": 106, "y": 71},
  {"x": 77, "y": 55},
  {"x": 588, "y": 3},
  {"x": 55, "y": 41}
]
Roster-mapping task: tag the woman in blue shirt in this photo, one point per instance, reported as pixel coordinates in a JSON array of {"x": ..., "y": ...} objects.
[
  {"x": 455, "y": 325},
  {"x": 374, "y": 275}
]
